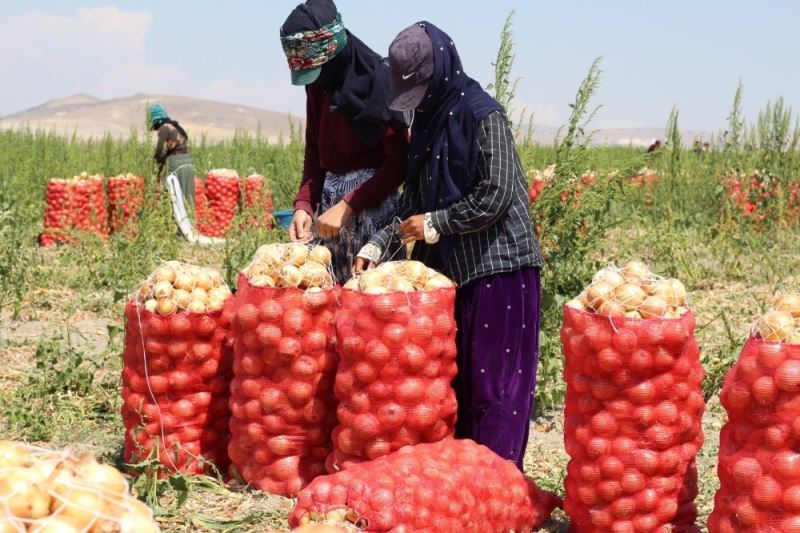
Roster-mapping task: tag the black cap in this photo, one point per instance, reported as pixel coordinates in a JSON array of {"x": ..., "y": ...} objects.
[{"x": 411, "y": 68}]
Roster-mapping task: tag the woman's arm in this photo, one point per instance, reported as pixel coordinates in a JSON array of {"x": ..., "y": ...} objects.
[
  {"x": 387, "y": 238},
  {"x": 491, "y": 197},
  {"x": 388, "y": 177},
  {"x": 161, "y": 153}
]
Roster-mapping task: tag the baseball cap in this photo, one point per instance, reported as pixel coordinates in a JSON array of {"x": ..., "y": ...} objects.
[
  {"x": 410, "y": 67},
  {"x": 305, "y": 76}
]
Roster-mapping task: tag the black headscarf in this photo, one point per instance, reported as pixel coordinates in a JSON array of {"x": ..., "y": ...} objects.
[
  {"x": 157, "y": 125},
  {"x": 446, "y": 125},
  {"x": 356, "y": 79}
]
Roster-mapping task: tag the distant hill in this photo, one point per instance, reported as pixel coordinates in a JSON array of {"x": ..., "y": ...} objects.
[{"x": 89, "y": 116}]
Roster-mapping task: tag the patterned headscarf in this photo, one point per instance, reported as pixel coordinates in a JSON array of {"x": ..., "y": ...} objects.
[{"x": 313, "y": 48}]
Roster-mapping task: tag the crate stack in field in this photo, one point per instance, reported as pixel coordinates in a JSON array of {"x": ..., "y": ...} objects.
[
  {"x": 282, "y": 403},
  {"x": 395, "y": 332},
  {"x": 74, "y": 205},
  {"x": 218, "y": 202},
  {"x": 125, "y": 201},
  {"x": 634, "y": 404},
  {"x": 177, "y": 368},
  {"x": 759, "y": 463}
]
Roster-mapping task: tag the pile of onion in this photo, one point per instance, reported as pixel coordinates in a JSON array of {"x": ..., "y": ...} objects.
[
  {"x": 175, "y": 287},
  {"x": 291, "y": 266},
  {"x": 46, "y": 491},
  {"x": 780, "y": 323},
  {"x": 404, "y": 276},
  {"x": 632, "y": 291}
]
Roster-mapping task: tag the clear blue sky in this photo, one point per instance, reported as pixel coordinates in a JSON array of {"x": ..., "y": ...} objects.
[{"x": 657, "y": 54}]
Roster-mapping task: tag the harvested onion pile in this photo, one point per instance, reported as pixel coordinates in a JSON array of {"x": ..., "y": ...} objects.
[
  {"x": 781, "y": 323},
  {"x": 290, "y": 266},
  {"x": 404, "y": 276},
  {"x": 632, "y": 291},
  {"x": 174, "y": 287},
  {"x": 47, "y": 491}
]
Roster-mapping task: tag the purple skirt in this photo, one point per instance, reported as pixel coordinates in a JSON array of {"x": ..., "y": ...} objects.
[{"x": 498, "y": 350}]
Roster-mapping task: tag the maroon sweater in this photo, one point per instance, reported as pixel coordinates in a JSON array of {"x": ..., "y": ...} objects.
[{"x": 332, "y": 146}]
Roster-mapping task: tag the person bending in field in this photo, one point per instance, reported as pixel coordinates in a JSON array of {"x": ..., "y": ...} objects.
[
  {"x": 465, "y": 206},
  {"x": 172, "y": 151},
  {"x": 356, "y": 148}
]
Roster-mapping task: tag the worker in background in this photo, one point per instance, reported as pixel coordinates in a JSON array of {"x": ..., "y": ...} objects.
[{"x": 172, "y": 151}]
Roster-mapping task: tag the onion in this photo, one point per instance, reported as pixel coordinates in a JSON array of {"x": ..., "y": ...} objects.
[
  {"x": 314, "y": 274},
  {"x": 220, "y": 292},
  {"x": 609, "y": 275},
  {"x": 53, "y": 525},
  {"x": 776, "y": 326},
  {"x": 215, "y": 304},
  {"x": 370, "y": 278},
  {"x": 629, "y": 295},
  {"x": 352, "y": 284},
  {"x": 162, "y": 289},
  {"x": 653, "y": 307},
  {"x": 598, "y": 294},
  {"x": 200, "y": 295},
  {"x": 24, "y": 496},
  {"x": 415, "y": 272},
  {"x": 165, "y": 306},
  {"x": 182, "y": 298},
  {"x": 13, "y": 454},
  {"x": 375, "y": 290},
  {"x": 184, "y": 281},
  {"x": 575, "y": 304},
  {"x": 438, "y": 281},
  {"x": 289, "y": 276},
  {"x": 321, "y": 255},
  {"x": 262, "y": 281},
  {"x": 297, "y": 253},
  {"x": 636, "y": 272},
  {"x": 401, "y": 284},
  {"x": 104, "y": 477},
  {"x": 164, "y": 273},
  {"x": 611, "y": 308},
  {"x": 203, "y": 281}
]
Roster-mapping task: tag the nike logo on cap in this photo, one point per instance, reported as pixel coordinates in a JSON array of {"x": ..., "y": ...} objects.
[{"x": 406, "y": 76}]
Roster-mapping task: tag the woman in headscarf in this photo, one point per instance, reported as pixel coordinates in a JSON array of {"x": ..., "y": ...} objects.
[
  {"x": 172, "y": 151},
  {"x": 465, "y": 207},
  {"x": 356, "y": 148}
]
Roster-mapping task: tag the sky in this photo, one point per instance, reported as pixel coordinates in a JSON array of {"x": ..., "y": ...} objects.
[{"x": 656, "y": 54}]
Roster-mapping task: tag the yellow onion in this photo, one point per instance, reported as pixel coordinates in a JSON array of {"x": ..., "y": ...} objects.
[
  {"x": 199, "y": 295},
  {"x": 671, "y": 290},
  {"x": 320, "y": 254},
  {"x": 376, "y": 289},
  {"x": 182, "y": 298},
  {"x": 352, "y": 284},
  {"x": 789, "y": 303},
  {"x": 9, "y": 525},
  {"x": 653, "y": 307},
  {"x": 438, "y": 281},
  {"x": 776, "y": 326},
  {"x": 165, "y": 306},
  {"x": 79, "y": 506},
  {"x": 636, "y": 272},
  {"x": 289, "y": 275},
  {"x": 55, "y": 524},
  {"x": 598, "y": 294},
  {"x": 271, "y": 254},
  {"x": 794, "y": 338},
  {"x": 611, "y": 308},
  {"x": 216, "y": 278},
  {"x": 133, "y": 517},
  {"x": 196, "y": 306},
  {"x": 575, "y": 304},
  {"x": 24, "y": 493},
  {"x": 164, "y": 273},
  {"x": 629, "y": 295},
  {"x": 203, "y": 281},
  {"x": 151, "y": 305},
  {"x": 298, "y": 253},
  {"x": 14, "y": 454},
  {"x": 162, "y": 289},
  {"x": 215, "y": 304},
  {"x": 262, "y": 281},
  {"x": 611, "y": 276},
  {"x": 371, "y": 278},
  {"x": 221, "y": 292},
  {"x": 314, "y": 274},
  {"x": 144, "y": 291},
  {"x": 104, "y": 477},
  {"x": 633, "y": 314},
  {"x": 401, "y": 284},
  {"x": 416, "y": 272}
]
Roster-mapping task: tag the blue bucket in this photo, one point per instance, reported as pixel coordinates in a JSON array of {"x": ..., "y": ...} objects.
[{"x": 284, "y": 218}]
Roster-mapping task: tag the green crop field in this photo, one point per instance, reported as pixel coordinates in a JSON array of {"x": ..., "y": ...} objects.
[{"x": 61, "y": 309}]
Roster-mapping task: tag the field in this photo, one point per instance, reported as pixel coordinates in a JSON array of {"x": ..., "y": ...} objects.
[{"x": 61, "y": 309}]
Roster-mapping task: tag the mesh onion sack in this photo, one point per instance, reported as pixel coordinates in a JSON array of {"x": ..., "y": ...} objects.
[
  {"x": 177, "y": 369},
  {"x": 450, "y": 485},
  {"x": 257, "y": 202},
  {"x": 220, "y": 201},
  {"x": 759, "y": 463},
  {"x": 125, "y": 200},
  {"x": 397, "y": 350},
  {"x": 285, "y": 362},
  {"x": 74, "y": 204},
  {"x": 634, "y": 405},
  {"x": 50, "y": 491}
]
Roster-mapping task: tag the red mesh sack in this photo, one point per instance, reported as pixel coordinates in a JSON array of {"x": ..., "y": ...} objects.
[
  {"x": 125, "y": 200},
  {"x": 283, "y": 408},
  {"x": 397, "y": 359},
  {"x": 450, "y": 485},
  {"x": 257, "y": 202},
  {"x": 177, "y": 367},
  {"x": 74, "y": 204},
  {"x": 632, "y": 426},
  {"x": 221, "y": 193},
  {"x": 759, "y": 463}
]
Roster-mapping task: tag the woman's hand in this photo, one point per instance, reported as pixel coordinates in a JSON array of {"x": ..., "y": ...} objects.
[
  {"x": 413, "y": 229},
  {"x": 331, "y": 222},
  {"x": 300, "y": 228}
]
